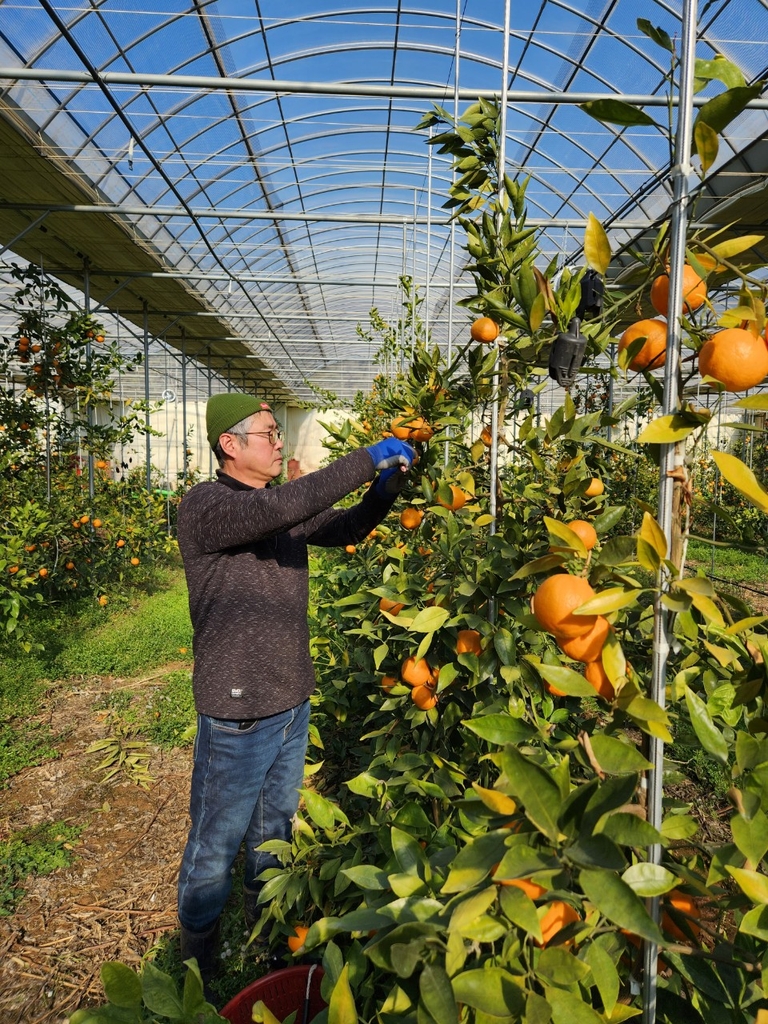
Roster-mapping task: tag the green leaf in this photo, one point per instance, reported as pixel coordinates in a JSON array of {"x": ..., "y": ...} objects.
[
  {"x": 537, "y": 790},
  {"x": 647, "y": 879},
  {"x": 568, "y": 1008},
  {"x": 679, "y": 826},
  {"x": 566, "y": 680},
  {"x": 560, "y": 967},
  {"x": 122, "y": 986},
  {"x": 616, "y": 901},
  {"x": 492, "y": 990},
  {"x": 720, "y": 69},
  {"x": 429, "y": 619},
  {"x": 597, "y": 248},
  {"x": 367, "y": 876},
  {"x": 755, "y": 922},
  {"x": 667, "y": 430},
  {"x": 653, "y": 534},
  {"x": 616, "y": 112},
  {"x": 341, "y": 1007},
  {"x": 521, "y": 910},
  {"x": 742, "y": 478},
  {"x": 467, "y": 912},
  {"x": 723, "y": 108},
  {"x": 630, "y": 830},
  {"x": 706, "y": 143},
  {"x": 608, "y": 601},
  {"x": 261, "y": 1013},
  {"x": 617, "y": 757},
  {"x": 160, "y": 993},
  {"x": 751, "y": 836},
  {"x": 605, "y": 974},
  {"x": 408, "y": 853},
  {"x": 437, "y": 994},
  {"x": 709, "y": 735},
  {"x": 543, "y": 564},
  {"x": 499, "y": 729},
  {"x": 318, "y": 808},
  {"x": 753, "y": 884},
  {"x": 658, "y": 35},
  {"x": 474, "y": 861}
]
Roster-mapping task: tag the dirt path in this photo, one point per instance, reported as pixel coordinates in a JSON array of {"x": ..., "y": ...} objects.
[{"x": 119, "y": 895}]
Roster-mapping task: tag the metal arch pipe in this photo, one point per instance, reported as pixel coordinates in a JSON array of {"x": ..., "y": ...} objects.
[{"x": 338, "y": 88}]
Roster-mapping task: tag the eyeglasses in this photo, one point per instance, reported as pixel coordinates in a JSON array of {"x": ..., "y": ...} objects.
[{"x": 273, "y": 436}]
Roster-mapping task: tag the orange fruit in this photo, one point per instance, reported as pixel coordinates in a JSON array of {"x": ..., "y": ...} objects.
[
  {"x": 134, "y": 560},
  {"x": 296, "y": 941},
  {"x": 686, "y": 907},
  {"x": 557, "y": 916},
  {"x": 597, "y": 677},
  {"x": 595, "y": 488},
  {"x": 585, "y": 531},
  {"x": 486, "y": 437},
  {"x": 410, "y": 518},
  {"x": 554, "y": 602},
  {"x": 653, "y": 352},
  {"x": 43, "y": 572},
  {"x": 589, "y": 646},
  {"x": 97, "y": 523},
  {"x": 120, "y": 543},
  {"x": 532, "y": 889},
  {"x": 85, "y": 519},
  {"x": 694, "y": 291},
  {"x": 387, "y": 682},
  {"x": 411, "y": 428},
  {"x": 350, "y": 549},
  {"x": 30, "y": 547},
  {"x": 415, "y": 673},
  {"x": 468, "y": 642},
  {"x": 103, "y": 600},
  {"x": 101, "y": 464},
  {"x": 13, "y": 569},
  {"x": 458, "y": 499},
  {"x": 484, "y": 330},
  {"x": 735, "y": 357},
  {"x": 424, "y": 697},
  {"x": 393, "y": 607}
]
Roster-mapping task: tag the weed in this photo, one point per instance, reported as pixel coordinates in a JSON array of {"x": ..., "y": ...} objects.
[
  {"x": 122, "y": 753},
  {"x": 37, "y": 850},
  {"x": 22, "y": 746},
  {"x": 171, "y": 718}
]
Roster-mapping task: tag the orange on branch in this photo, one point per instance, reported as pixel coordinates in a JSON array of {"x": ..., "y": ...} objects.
[
  {"x": 297, "y": 940},
  {"x": 597, "y": 677},
  {"x": 694, "y": 291},
  {"x": 589, "y": 646},
  {"x": 468, "y": 642},
  {"x": 484, "y": 330},
  {"x": 686, "y": 908},
  {"x": 584, "y": 531},
  {"x": 531, "y": 889},
  {"x": 388, "y": 683},
  {"x": 595, "y": 488},
  {"x": 557, "y": 916},
  {"x": 424, "y": 697},
  {"x": 458, "y": 499},
  {"x": 416, "y": 673},
  {"x": 555, "y": 600},
  {"x": 736, "y": 357},
  {"x": 350, "y": 549},
  {"x": 411, "y": 428},
  {"x": 486, "y": 437},
  {"x": 653, "y": 352},
  {"x": 386, "y": 604},
  {"x": 410, "y": 518}
]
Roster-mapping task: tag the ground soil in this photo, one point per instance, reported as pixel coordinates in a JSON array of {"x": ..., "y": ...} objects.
[{"x": 118, "y": 898}]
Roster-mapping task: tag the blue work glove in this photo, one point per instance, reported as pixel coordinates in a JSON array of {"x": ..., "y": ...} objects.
[
  {"x": 393, "y": 458},
  {"x": 390, "y": 452}
]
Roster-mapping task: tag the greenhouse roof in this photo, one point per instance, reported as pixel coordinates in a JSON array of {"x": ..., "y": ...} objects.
[{"x": 244, "y": 180}]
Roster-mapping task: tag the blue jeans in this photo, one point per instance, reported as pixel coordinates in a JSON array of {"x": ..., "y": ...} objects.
[{"x": 245, "y": 786}]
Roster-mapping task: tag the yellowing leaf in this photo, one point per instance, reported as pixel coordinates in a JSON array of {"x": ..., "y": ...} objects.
[
  {"x": 742, "y": 478},
  {"x": 707, "y": 144},
  {"x": 733, "y": 246},
  {"x": 666, "y": 430},
  {"x": 597, "y": 248},
  {"x": 759, "y": 402},
  {"x": 652, "y": 533},
  {"x": 752, "y": 883},
  {"x": 607, "y": 601},
  {"x": 495, "y": 801}
]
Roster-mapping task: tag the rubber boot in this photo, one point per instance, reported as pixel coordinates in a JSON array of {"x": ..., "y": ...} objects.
[{"x": 203, "y": 947}]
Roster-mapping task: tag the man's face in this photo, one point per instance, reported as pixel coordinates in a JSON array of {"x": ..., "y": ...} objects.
[{"x": 259, "y": 461}]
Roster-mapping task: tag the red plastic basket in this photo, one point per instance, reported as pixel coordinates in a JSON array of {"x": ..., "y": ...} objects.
[{"x": 293, "y": 988}]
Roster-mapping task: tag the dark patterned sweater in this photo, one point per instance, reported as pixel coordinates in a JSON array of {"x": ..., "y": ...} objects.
[{"x": 245, "y": 559}]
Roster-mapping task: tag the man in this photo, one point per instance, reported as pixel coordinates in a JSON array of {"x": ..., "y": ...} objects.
[{"x": 244, "y": 547}]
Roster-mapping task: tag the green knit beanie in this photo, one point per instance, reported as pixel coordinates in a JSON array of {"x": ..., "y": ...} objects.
[{"x": 224, "y": 411}]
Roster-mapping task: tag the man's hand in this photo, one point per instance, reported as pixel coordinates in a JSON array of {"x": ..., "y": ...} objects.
[{"x": 390, "y": 452}]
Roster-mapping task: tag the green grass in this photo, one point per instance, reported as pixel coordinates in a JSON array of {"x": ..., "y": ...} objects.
[
  {"x": 23, "y": 746},
  {"x": 38, "y": 850},
  {"x": 730, "y": 563}
]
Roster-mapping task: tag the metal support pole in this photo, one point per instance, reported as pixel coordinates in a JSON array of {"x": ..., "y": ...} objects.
[
  {"x": 452, "y": 245},
  {"x": 185, "y": 463},
  {"x": 494, "y": 467},
  {"x": 88, "y": 353},
  {"x": 148, "y": 439},
  {"x": 413, "y": 278},
  {"x": 671, "y": 456},
  {"x": 429, "y": 242},
  {"x": 210, "y": 392}
]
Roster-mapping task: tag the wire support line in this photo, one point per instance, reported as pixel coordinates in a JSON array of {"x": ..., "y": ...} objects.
[{"x": 352, "y": 89}]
